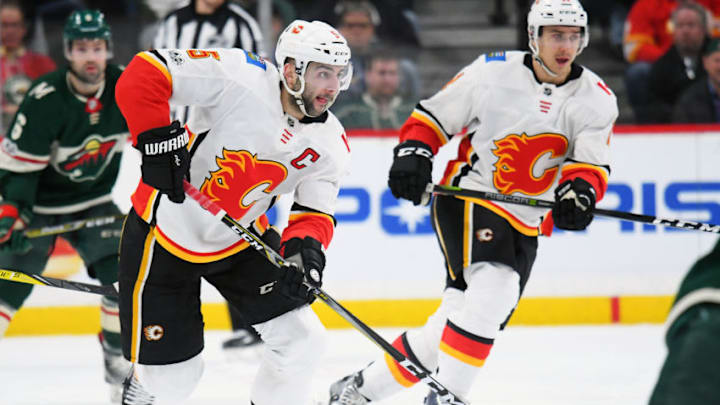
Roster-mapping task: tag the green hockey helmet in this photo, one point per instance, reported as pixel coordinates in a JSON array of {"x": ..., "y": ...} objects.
[{"x": 86, "y": 24}]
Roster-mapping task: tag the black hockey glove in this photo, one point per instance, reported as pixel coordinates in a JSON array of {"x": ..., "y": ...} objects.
[
  {"x": 574, "y": 204},
  {"x": 411, "y": 171},
  {"x": 165, "y": 159},
  {"x": 307, "y": 262},
  {"x": 271, "y": 237}
]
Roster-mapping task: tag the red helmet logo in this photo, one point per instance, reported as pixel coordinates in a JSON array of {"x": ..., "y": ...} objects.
[
  {"x": 242, "y": 179},
  {"x": 517, "y": 156}
]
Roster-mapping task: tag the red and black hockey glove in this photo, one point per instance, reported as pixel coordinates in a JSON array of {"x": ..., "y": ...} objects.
[
  {"x": 12, "y": 223},
  {"x": 574, "y": 204},
  {"x": 165, "y": 159},
  {"x": 411, "y": 171},
  {"x": 307, "y": 262}
]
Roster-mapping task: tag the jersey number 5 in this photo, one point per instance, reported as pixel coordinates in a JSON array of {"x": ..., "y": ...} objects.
[{"x": 199, "y": 53}]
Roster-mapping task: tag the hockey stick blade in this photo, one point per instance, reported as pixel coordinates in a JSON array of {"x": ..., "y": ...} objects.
[
  {"x": 71, "y": 226},
  {"x": 518, "y": 200},
  {"x": 20, "y": 277},
  {"x": 277, "y": 260}
]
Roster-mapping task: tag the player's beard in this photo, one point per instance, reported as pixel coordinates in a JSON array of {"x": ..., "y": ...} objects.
[
  {"x": 309, "y": 102},
  {"x": 88, "y": 78}
]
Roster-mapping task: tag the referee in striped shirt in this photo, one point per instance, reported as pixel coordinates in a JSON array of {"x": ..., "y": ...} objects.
[
  {"x": 208, "y": 24},
  {"x": 213, "y": 24}
]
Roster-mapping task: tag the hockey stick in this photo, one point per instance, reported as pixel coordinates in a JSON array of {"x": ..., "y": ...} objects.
[
  {"x": 20, "y": 277},
  {"x": 277, "y": 260},
  {"x": 72, "y": 226},
  {"x": 518, "y": 200}
]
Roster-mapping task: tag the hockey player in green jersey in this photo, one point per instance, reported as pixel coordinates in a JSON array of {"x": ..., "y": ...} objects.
[
  {"x": 58, "y": 163},
  {"x": 691, "y": 374}
]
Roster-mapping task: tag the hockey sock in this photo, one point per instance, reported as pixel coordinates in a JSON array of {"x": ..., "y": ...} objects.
[
  {"x": 6, "y": 314},
  {"x": 383, "y": 378},
  {"x": 386, "y": 377},
  {"x": 110, "y": 323},
  {"x": 461, "y": 356}
]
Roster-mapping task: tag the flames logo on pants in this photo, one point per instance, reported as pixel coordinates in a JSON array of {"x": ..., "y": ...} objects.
[
  {"x": 242, "y": 179},
  {"x": 517, "y": 157}
]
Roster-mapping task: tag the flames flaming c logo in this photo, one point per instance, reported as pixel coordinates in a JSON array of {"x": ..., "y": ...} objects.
[
  {"x": 242, "y": 179},
  {"x": 517, "y": 155}
]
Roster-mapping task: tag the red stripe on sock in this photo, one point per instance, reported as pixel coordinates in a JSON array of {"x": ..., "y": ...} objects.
[
  {"x": 465, "y": 344},
  {"x": 398, "y": 344},
  {"x": 112, "y": 313},
  {"x": 6, "y": 316}
]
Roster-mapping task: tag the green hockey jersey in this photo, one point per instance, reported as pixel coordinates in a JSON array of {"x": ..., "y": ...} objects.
[
  {"x": 701, "y": 285},
  {"x": 62, "y": 151}
]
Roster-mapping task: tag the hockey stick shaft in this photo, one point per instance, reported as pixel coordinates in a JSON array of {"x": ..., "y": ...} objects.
[
  {"x": 518, "y": 200},
  {"x": 277, "y": 260},
  {"x": 72, "y": 226},
  {"x": 20, "y": 277}
]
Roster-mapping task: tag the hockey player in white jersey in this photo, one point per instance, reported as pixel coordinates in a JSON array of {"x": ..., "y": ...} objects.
[
  {"x": 270, "y": 134},
  {"x": 538, "y": 125}
]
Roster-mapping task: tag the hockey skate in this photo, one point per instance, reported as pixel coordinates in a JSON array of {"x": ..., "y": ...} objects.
[
  {"x": 345, "y": 391},
  {"x": 242, "y": 338},
  {"x": 133, "y": 393},
  {"x": 431, "y": 399},
  {"x": 244, "y": 345},
  {"x": 116, "y": 368}
]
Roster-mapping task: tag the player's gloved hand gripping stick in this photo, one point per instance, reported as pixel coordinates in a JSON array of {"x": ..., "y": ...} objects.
[
  {"x": 519, "y": 200},
  {"x": 256, "y": 243}
]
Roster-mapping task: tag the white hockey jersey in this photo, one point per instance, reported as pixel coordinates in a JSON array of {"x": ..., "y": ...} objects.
[
  {"x": 522, "y": 136},
  {"x": 252, "y": 153}
]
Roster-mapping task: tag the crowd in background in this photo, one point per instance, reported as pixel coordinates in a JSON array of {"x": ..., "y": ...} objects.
[{"x": 671, "y": 65}]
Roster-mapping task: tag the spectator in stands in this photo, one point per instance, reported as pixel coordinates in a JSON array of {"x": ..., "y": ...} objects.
[
  {"x": 18, "y": 65},
  {"x": 700, "y": 103},
  {"x": 681, "y": 65},
  {"x": 213, "y": 24},
  {"x": 648, "y": 35},
  {"x": 397, "y": 22},
  {"x": 282, "y": 14},
  {"x": 357, "y": 23},
  {"x": 380, "y": 107},
  {"x": 208, "y": 24},
  {"x": 611, "y": 16}
]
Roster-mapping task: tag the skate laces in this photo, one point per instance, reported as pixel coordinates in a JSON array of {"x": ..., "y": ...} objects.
[
  {"x": 346, "y": 392},
  {"x": 134, "y": 393}
]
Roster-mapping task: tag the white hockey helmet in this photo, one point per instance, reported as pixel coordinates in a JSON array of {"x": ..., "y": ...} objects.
[
  {"x": 315, "y": 41},
  {"x": 556, "y": 12}
]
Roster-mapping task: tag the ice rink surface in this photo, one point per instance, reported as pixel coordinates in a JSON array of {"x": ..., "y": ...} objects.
[{"x": 588, "y": 365}]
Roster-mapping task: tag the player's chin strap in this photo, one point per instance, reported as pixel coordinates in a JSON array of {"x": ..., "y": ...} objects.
[
  {"x": 520, "y": 200},
  {"x": 297, "y": 95},
  {"x": 545, "y": 68},
  {"x": 273, "y": 257}
]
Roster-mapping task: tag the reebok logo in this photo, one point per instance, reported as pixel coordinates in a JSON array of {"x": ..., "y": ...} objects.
[{"x": 156, "y": 148}]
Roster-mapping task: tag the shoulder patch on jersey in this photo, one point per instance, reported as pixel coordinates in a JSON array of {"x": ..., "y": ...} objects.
[
  {"x": 492, "y": 56},
  {"x": 41, "y": 90},
  {"x": 254, "y": 59},
  {"x": 176, "y": 57}
]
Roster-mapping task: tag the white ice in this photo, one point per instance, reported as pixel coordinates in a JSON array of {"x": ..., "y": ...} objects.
[{"x": 589, "y": 365}]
